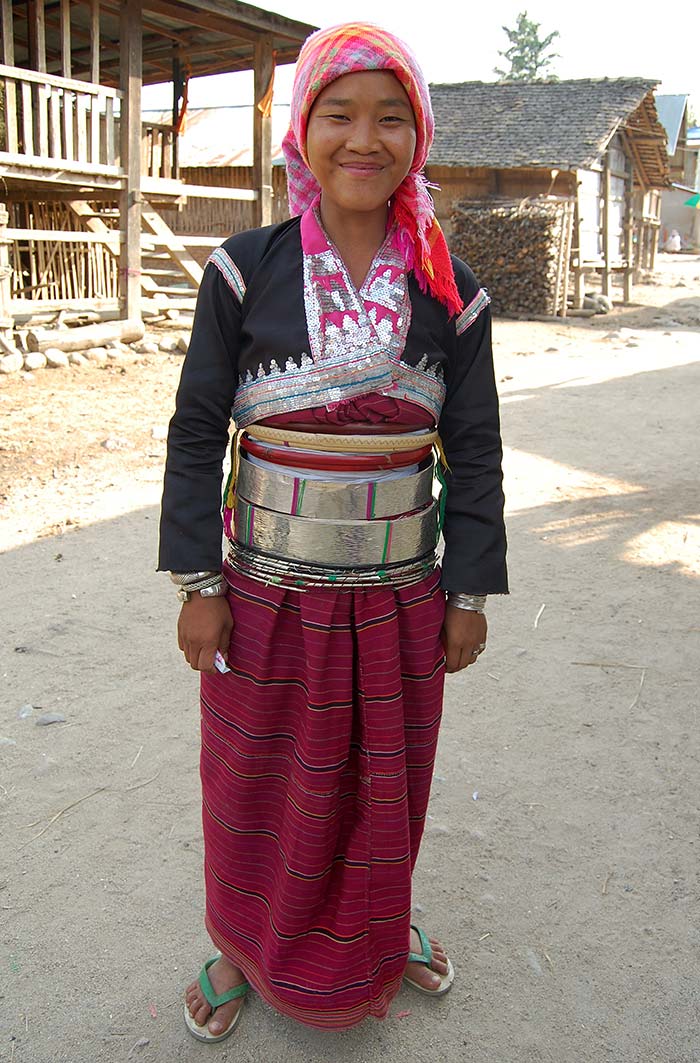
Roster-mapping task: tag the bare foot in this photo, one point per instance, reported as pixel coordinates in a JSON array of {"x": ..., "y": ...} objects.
[
  {"x": 423, "y": 974},
  {"x": 222, "y": 975}
]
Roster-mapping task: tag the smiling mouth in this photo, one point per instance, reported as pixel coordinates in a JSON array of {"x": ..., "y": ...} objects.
[{"x": 364, "y": 169}]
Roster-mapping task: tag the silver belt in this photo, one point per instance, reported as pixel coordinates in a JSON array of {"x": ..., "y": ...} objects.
[
  {"x": 299, "y": 576},
  {"x": 284, "y": 492},
  {"x": 338, "y": 543}
]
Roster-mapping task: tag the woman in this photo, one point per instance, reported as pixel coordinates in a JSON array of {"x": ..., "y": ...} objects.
[{"x": 341, "y": 338}]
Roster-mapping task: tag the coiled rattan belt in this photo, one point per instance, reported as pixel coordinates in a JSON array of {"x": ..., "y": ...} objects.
[{"x": 358, "y": 444}]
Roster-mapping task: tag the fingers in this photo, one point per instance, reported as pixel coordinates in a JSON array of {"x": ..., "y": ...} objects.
[{"x": 225, "y": 641}]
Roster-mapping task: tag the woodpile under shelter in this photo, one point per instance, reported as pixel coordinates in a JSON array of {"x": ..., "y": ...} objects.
[
  {"x": 592, "y": 149},
  {"x": 85, "y": 181}
]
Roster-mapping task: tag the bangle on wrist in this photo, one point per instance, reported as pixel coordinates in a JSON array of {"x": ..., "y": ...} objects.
[
  {"x": 209, "y": 584},
  {"x": 471, "y": 603},
  {"x": 186, "y": 579},
  {"x": 211, "y": 590}
]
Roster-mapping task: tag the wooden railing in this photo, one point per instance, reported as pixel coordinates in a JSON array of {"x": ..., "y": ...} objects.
[
  {"x": 158, "y": 150},
  {"x": 54, "y": 121}
]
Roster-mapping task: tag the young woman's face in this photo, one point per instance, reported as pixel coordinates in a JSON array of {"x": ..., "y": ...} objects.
[{"x": 361, "y": 139}]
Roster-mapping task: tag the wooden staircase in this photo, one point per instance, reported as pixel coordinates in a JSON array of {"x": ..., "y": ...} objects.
[{"x": 170, "y": 276}]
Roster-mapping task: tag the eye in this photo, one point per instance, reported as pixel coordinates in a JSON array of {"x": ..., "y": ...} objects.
[{"x": 392, "y": 119}]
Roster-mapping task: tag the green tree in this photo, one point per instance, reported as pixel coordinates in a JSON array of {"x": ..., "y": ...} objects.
[{"x": 527, "y": 54}]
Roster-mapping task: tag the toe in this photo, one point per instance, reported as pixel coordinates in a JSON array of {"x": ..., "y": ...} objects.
[{"x": 200, "y": 1014}]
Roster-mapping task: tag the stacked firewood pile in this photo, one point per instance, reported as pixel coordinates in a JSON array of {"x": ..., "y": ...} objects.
[{"x": 519, "y": 250}]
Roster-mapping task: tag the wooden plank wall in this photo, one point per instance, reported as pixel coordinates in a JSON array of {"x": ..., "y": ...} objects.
[
  {"x": 220, "y": 217},
  {"x": 457, "y": 182}
]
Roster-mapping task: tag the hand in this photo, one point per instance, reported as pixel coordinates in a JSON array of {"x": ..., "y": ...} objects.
[
  {"x": 463, "y": 632},
  {"x": 204, "y": 626}
]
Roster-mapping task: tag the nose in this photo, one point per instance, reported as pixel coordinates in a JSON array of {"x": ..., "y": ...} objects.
[{"x": 362, "y": 137}]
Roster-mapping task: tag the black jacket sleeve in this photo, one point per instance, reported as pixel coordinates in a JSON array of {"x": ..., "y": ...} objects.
[
  {"x": 191, "y": 525},
  {"x": 474, "y": 531}
]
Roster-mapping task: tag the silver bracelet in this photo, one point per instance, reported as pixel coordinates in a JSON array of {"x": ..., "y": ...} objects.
[
  {"x": 472, "y": 603},
  {"x": 184, "y": 579},
  {"x": 214, "y": 588}
]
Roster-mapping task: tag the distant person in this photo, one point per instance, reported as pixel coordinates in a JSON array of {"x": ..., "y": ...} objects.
[
  {"x": 341, "y": 340},
  {"x": 673, "y": 244}
]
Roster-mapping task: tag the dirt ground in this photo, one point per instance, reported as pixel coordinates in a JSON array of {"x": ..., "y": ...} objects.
[{"x": 560, "y": 861}]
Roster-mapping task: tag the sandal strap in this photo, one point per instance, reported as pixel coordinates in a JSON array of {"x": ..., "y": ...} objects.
[
  {"x": 426, "y": 956},
  {"x": 215, "y": 1000}
]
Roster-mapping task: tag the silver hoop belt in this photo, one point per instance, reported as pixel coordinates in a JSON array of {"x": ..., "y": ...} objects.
[
  {"x": 322, "y": 532},
  {"x": 284, "y": 492}
]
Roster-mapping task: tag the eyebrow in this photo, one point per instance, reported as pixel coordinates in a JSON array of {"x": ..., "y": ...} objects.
[{"x": 336, "y": 101}]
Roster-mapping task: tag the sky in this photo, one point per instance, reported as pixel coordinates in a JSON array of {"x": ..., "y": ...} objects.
[{"x": 460, "y": 42}]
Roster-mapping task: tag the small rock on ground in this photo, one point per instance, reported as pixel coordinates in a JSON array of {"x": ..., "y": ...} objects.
[
  {"x": 116, "y": 443},
  {"x": 11, "y": 363},
  {"x": 56, "y": 359},
  {"x": 97, "y": 355},
  {"x": 169, "y": 344},
  {"x": 34, "y": 360}
]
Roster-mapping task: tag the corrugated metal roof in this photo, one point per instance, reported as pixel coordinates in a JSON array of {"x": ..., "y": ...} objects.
[
  {"x": 223, "y": 136},
  {"x": 670, "y": 110}
]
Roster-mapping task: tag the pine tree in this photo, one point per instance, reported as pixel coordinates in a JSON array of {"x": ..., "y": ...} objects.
[{"x": 527, "y": 53}]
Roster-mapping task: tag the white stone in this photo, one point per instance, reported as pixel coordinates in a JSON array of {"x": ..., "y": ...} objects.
[
  {"x": 56, "y": 359},
  {"x": 96, "y": 354},
  {"x": 183, "y": 343},
  {"x": 77, "y": 358},
  {"x": 34, "y": 360},
  {"x": 146, "y": 347},
  {"x": 122, "y": 357},
  {"x": 169, "y": 344},
  {"x": 159, "y": 431},
  {"x": 11, "y": 363},
  {"x": 116, "y": 443}
]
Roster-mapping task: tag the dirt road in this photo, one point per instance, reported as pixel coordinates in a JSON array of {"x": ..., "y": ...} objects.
[{"x": 561, "y": 855}]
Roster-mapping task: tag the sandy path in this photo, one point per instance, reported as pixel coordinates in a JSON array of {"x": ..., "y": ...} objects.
[{"x": 560, "y": 860}]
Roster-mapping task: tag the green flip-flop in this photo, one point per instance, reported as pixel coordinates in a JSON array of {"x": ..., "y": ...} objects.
[
  {"x": 215, "y": 1000},
  {"x": 425, "y": 956}
]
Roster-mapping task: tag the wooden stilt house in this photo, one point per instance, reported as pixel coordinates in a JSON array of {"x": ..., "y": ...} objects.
[
  {"x": 82, "y": 179},
  {"x": 594, "y": 145}
]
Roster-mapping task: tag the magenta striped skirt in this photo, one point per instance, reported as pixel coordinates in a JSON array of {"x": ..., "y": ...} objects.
[{"x": 317, "y": 759}]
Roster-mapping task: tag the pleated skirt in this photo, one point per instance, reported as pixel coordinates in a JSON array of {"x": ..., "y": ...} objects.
[{"x": 317, "y": 758}]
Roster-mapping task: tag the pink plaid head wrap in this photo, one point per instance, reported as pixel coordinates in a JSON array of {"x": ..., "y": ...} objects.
[{"x": 348, "y": 49}]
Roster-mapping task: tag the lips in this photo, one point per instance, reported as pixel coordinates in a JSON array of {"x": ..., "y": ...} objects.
[{"x": 362, "y": 169}]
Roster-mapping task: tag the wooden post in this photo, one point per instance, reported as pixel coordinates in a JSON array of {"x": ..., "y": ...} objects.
[
  {"x": 95, "y": 42},
  {"x": 66, "y": 68},
  {"x": 8, "y": 58},
  {"x": 629, "y": 228},
  {"x": 605, "y": 278},
  {"x": 579, "y": 275},
  {"x": 262, "y": 131},
  {"x": 130, "y": 130},
  {"x": 5, "y": 274},
  {"x": 178, "y": 90}
]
